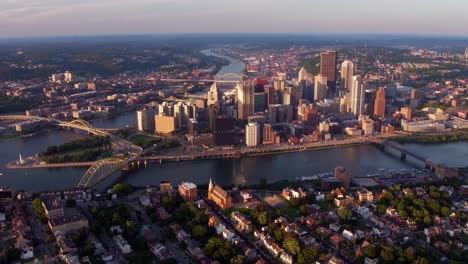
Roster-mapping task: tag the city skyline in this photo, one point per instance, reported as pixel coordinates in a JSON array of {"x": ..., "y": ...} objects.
[{"x": 85, "y": 17}]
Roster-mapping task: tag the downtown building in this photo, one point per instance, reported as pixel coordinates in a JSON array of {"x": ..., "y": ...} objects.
[
  {"x": 357, "y": 96},
  {"x": 328, "y": 68},
  {"x": 379, "y": 105},
  {"x": 145, "y": 120},
  {"x": 347, "y": 73},
  {"x": 252, "y": 134},
  {"x": 320, "y": 87},
  {"x": 245, "y": 99}
]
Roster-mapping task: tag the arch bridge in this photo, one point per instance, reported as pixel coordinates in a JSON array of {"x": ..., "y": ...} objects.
[
  {"x": 84, "y": 125},
  {"x": 99, "y": 171}
]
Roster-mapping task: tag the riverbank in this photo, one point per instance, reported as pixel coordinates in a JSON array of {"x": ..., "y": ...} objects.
[
  {"x": 15, "y": 165},
  {"x": 431, "y": 138}
]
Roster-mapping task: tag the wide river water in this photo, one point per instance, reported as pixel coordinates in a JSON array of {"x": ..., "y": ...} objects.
[{"x": 359, "y": 160}]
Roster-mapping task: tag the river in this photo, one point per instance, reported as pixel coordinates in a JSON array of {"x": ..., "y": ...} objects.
[
  {"x": 54, "y": 178},
  {"x": 359, "y": 160}
]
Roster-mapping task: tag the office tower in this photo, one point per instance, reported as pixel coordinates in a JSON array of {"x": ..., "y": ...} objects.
[
  {"x": 347, "y": 73},
  {"x": 269, "y": 135},
  {"x": 304, "y": 75},
  {"x": 188, "y": 191},
  {"x": 357, "y": 96},
  {"x": 308, "y": 114},
  {"x": 245, "y": 99},
  {"x": 213, "y": 112},
  {"x": 379, "y": 105},
  {"x": 192, "y": 127},
  {"x": 391, "y": 90},
  {"x": 270, "y": 94},
  {"x": 466, "y": 53},
  {"x": 223, "y": 131},
  {"x": 163, "y": 109},
  {"x": 344, "y": 104},
  {"x": 252, "y": 134},
  {"x": 287, "y": 98},
  {"x": 417, "y": 98},
  {"x": 328, "y": 68},
  {"x": 213, "y": 94},
  {"x": 320, "y": 87},
  {"x": 259, "y": 99},
  {"x": 145, "y": 119},
  {"x": 343, "y": 175},
  {"x": 369, "y": 101},
  {"x": 179, "y": 114},
  {"x": 407, "y": 113},
  {"x": 307, "y": 90},
  {"x": 278, "y": 113}
]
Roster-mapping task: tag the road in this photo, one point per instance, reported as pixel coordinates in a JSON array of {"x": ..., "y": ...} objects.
[{"x": 240, "y": 234}]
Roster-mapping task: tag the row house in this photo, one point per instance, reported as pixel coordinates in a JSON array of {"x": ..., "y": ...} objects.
[
  {"x": 241, "y": 222},
  {"x": 289, "y": 193}
]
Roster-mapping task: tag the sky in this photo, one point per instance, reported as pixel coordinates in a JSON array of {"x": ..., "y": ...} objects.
[{"x": 24, "y": 18}]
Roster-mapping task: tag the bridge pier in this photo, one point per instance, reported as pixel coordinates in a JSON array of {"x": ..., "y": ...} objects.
[{"x": 403, "y": 156}]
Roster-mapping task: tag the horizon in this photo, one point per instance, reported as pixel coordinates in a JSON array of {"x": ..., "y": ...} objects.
[{"x": 35, "y": 18}]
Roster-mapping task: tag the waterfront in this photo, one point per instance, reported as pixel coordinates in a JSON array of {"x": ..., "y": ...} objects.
[
  {"x": 42, "y": 179},
  {"x": 359, "y": 160}
]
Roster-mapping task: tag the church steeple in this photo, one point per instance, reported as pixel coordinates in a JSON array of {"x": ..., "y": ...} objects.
[{"x": 210, "y": 186}]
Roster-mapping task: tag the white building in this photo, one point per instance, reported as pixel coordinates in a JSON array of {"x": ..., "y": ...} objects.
[
  {"x": 357, "y": 96},
  {"x": 252, "y": 134},
  {"x": 347, "y": 72},
  {"x": 368, "y": 127},
  {"x": 145, "y": 120},
  {"x": 213, "y": 95},
  {"x": 320, "y": 88}
]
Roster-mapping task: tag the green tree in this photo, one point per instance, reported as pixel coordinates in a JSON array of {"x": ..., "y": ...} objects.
[
  {"x": 199, "y": 232},
  {"x": 410, "y": 254},
  {"x": 370, "y": 251},
  {"x": 39, "y": 210},
  {"x": 302, "y": 210},
  {"x": 345, "y": 214},
  {"x": 262, "y": 218},
  {"x": 306, "y": 256},
  {"x": 291, "y": 245},
  {"x": 387, "y": 254},
  {"x": 238, "y": 259},
  {"x": 421, "y": 260},
  {"x": 295, "y": 202},
  {"x": 445, "y": 211}
]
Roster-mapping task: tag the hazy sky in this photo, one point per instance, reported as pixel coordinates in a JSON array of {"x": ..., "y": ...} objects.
[{"x": 90, "y": 17}]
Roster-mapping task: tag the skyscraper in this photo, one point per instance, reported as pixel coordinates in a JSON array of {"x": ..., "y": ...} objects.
[
  {"x": 379, "y": 105},
  {"x": 369, "y": 101},
  {"x": 145, "y": 119},
  {"x": 252, "y": 134},
  {"x": 320, "y": 87},
  {"x": 213, "y": 94},
  {"x": 259, "y": 99},
  {"x": 466, "y": 53},
  {"x": 347, "y": 72},
  {"x": 245, "y": 99},
  {"x": 357, "y": 96},
  {"x": 328, "y": 68},
  {"x": 304, "y": 75}
]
